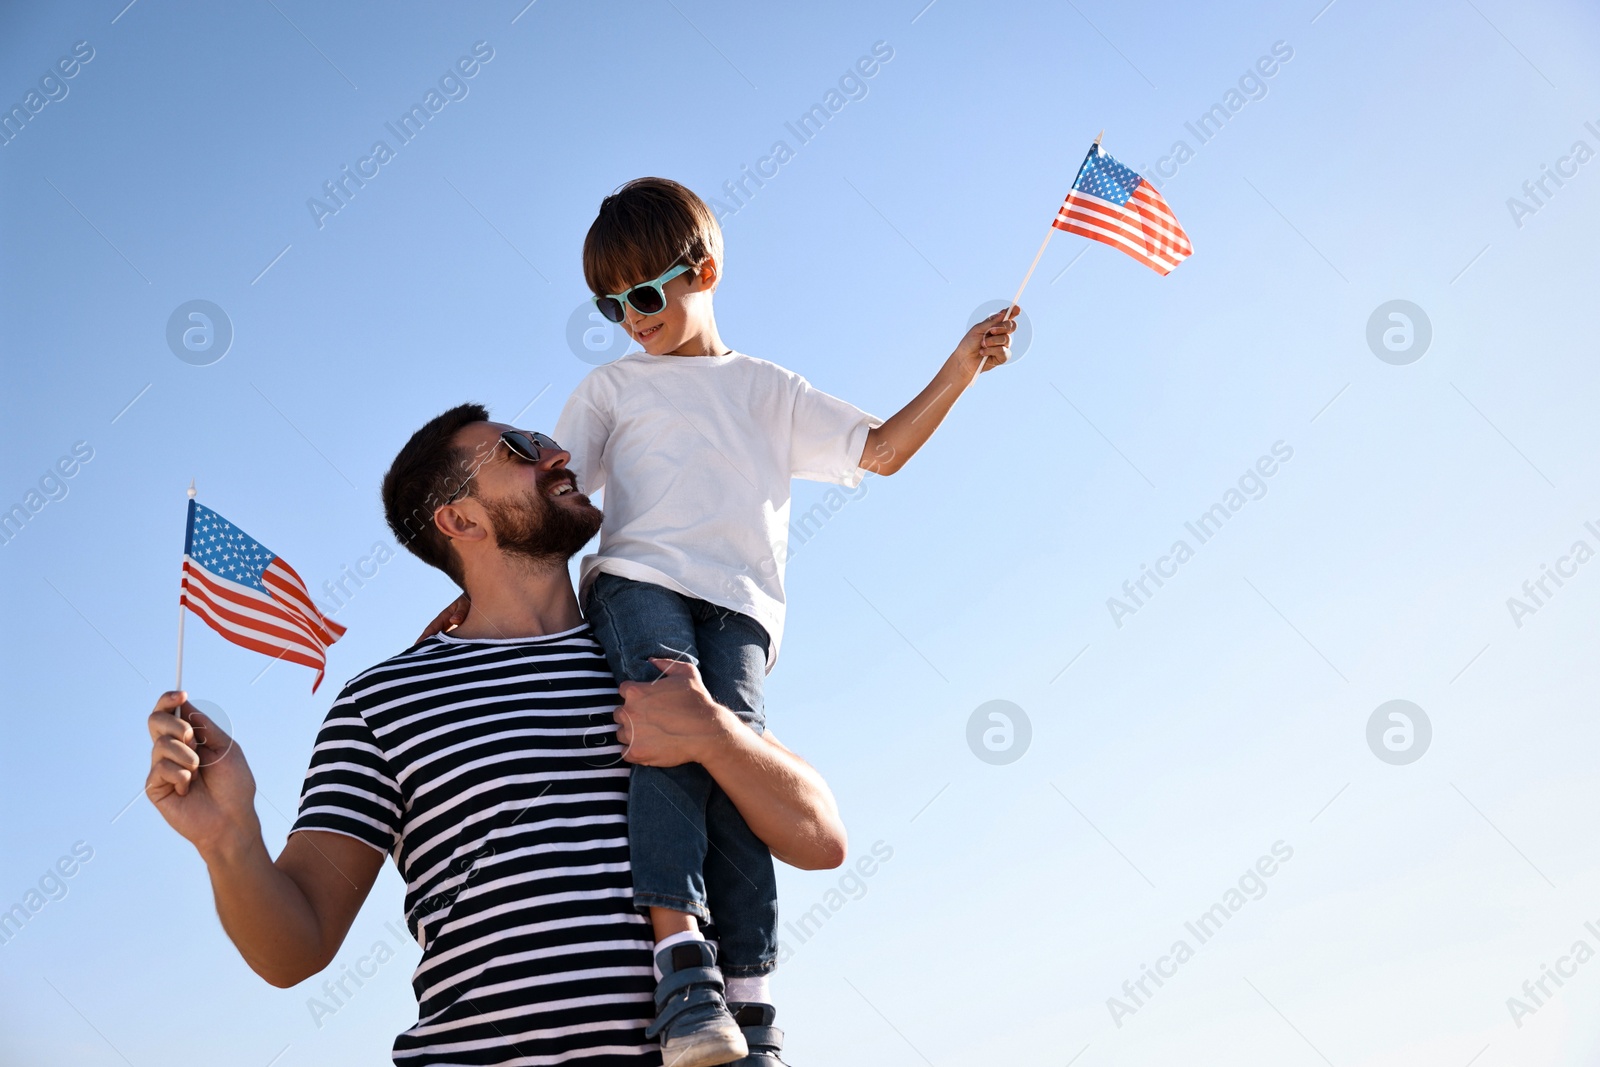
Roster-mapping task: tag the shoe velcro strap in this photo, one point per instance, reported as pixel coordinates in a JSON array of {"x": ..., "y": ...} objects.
[
  {"x": 678, "y": 981},
  {"x": 669, "y": 1008},
  {"x": 763, "y": 1037}
]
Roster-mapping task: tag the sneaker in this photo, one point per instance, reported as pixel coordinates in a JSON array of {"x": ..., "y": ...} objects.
[
  {"x": 693, "y": 1023},
  {"x": 765, "y": 1040}
]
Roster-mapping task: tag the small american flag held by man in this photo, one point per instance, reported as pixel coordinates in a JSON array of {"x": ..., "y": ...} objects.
[
  {"x": 1111, "y": 204},
  {"x": 248, "y": 595}
]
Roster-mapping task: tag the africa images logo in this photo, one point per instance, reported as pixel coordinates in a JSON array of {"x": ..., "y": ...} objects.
[{"x": 199, "y": 332}]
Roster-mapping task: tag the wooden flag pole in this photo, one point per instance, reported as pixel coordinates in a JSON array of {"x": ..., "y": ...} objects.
[
  {"x": 182, "y": 611},
  {"x": 1051, "y": 232}
]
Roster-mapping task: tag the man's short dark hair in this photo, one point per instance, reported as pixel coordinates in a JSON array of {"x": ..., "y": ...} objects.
[
  {"x": 643, "y": 228},
  {"x": 429, "y": 470}
]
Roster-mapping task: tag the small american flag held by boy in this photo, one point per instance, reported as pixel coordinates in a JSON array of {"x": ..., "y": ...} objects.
[{"x": 1111, "y": 204}]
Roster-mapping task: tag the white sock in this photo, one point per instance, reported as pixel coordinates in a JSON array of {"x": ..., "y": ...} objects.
[
  {"x": 750, "y": 990},
  {"x": 676, "y": 939}
]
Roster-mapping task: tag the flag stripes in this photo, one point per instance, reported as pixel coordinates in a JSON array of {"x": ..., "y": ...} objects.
[
  {"x": 244, "y": 592},
  {"x": 235, "y": 615},
  {"x": 1111, "y": 204}
]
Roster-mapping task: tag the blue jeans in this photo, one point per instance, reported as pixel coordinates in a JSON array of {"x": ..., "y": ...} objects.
[{"x": 691, "y": 849}]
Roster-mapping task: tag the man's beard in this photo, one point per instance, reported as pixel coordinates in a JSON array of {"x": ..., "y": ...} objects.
[{"x": 537, "y": 528}]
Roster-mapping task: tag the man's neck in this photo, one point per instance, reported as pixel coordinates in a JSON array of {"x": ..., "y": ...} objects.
[{"x": 515, "y": 597}]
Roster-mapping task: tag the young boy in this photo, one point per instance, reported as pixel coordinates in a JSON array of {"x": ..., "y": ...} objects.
[{"x": 694, "y": 445}]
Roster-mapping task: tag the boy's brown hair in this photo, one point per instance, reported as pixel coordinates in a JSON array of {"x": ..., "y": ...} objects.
[{"x": 645, "y": 227}]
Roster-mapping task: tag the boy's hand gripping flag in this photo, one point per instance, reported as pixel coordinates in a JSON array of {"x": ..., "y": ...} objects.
[
  {"x": 1111, "y": 204},
  {"x": 248, "y": 595}
]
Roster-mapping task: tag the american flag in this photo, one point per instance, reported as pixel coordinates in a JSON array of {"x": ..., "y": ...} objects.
[
  {"x": 1111, "y": 204},
  {"x": 248, "y": 595}
]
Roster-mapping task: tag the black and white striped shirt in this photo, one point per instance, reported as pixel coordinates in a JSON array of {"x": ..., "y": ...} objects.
[{"x": 490, "y": 771}]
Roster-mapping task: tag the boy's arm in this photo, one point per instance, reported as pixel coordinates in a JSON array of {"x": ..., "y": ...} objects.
[
  {"x": 782, "y": 798},
  {"x": 288, "y": 918},
  {"x": 897, "y": 440}
]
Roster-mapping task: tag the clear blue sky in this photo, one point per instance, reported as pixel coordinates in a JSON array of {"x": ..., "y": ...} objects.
[{"x": 1229, "y": 712}]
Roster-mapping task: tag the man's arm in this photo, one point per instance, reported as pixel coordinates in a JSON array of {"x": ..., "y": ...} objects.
[
  {"x": 897, "y": 440},
  {"x": 782, "y": 798},
  {"x": 673, "y": 720},
  {"x": 288, "y": 918}
]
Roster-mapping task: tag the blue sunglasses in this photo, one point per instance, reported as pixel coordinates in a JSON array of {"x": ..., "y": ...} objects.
[{"x": 647, "y": 298}]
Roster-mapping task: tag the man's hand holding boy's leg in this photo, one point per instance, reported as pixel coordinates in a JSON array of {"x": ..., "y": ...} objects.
[{"x": 673, "y": 721}]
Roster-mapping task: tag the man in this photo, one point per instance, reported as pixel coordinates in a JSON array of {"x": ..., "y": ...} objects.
[{"x": 487, "y": 761}]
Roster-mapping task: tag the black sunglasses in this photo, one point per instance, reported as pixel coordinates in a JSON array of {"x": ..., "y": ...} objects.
[{"x": 522, "y": 444}]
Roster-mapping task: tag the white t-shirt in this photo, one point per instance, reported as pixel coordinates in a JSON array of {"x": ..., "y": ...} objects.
[{"x": 695, "y": 454}]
